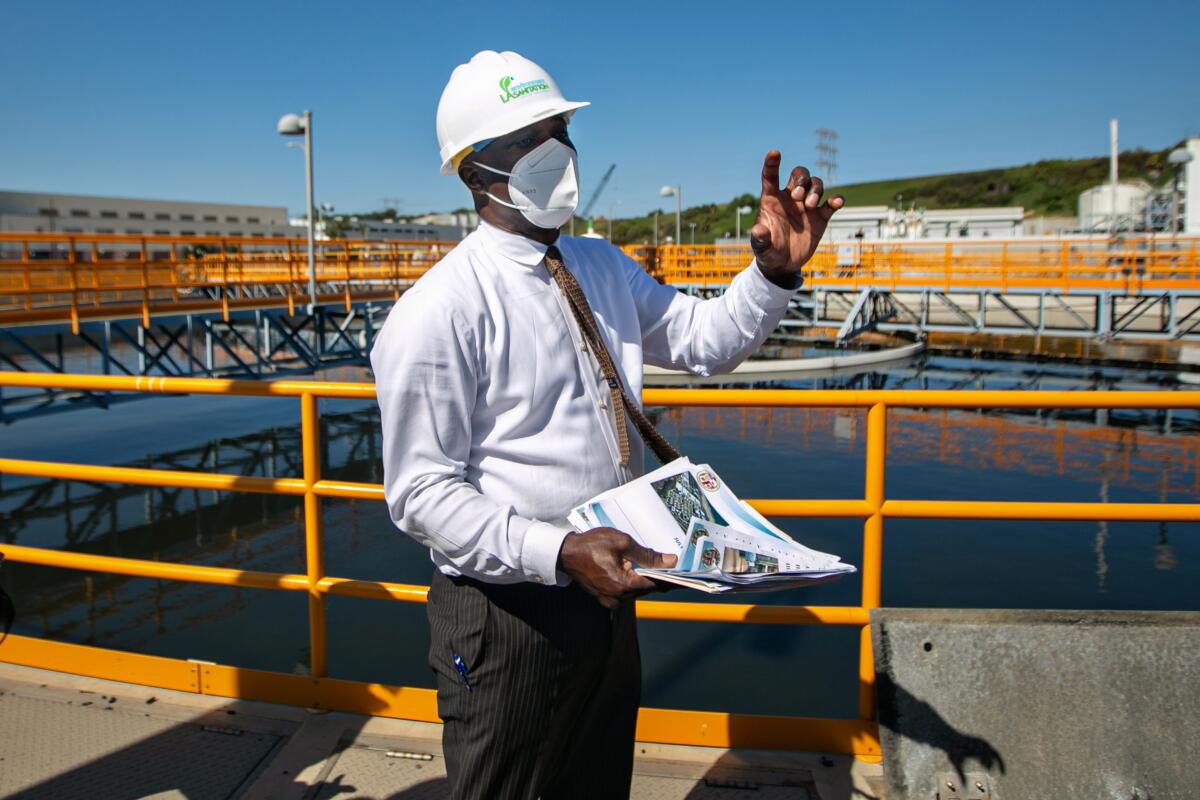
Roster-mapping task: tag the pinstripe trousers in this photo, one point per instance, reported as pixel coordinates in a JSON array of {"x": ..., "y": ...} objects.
[{"x": 549, "y": 703}]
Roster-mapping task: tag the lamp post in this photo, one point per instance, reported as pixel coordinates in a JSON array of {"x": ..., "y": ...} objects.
[
  {"x": 656, "y": 227},
  {"x": 667, "y": 191},
  {"x": 692, "y": 225},
  {"x": 741, "y": 210},
  {"x": 1178, "y": 158},
  {"x": 297, "y": 125}
]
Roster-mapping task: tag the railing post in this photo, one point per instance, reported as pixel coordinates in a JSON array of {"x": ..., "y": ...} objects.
[
  {"x": 872, "y": 559},
  {"x": 291, "y": 280},
  {"x": 310, "y": 434},
  {"x": 224, "y": 281},
  {"x": 346, "y": 293},
  {"x": 74, "y": 286},
  {"x": 145, "y": 286},
  {"x": 27, "y": 276},
  {"x": 95, "y": 274},
  {"x": 947, "y": 262}
]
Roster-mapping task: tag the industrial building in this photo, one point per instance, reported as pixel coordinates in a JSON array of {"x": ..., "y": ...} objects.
[
  {"x": 46, "y": 212},
  {"x": 1138, "y": 206},
  {"x": 419, "y": 229},
  {"x": 872, "y": 223}
]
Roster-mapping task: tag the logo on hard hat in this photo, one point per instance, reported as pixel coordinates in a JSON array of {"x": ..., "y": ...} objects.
[{"x": 514, "y": 90}]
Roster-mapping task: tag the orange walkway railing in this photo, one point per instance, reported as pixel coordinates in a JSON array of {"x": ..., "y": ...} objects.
[
  {"x": 75, "y": 277},
  {"x": 857, "y": 736},
  {"x": 1072, "y": 264}
]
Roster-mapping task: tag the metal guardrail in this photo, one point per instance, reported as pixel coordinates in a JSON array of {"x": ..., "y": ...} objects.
[
  {"x": 63, "y": 277},
  {"x": 75, "y": 277},
  {"x": 859, "y": 736},
  {"x": 1128, "y": 265}
]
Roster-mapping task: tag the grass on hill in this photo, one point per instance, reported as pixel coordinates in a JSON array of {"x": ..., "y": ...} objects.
[{"x": 1048, "y": 187}]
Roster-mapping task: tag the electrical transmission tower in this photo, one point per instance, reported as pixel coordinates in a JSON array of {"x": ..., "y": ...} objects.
[{"x": 827, "y": 153}]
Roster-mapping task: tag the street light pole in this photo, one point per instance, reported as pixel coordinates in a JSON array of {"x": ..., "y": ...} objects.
[
  {"x": 312, "y": 232},
  {"x": 656, "y": 227},
  {"x": 678, "y": 211},
  {"x": 741, "y": 210},
  {"x": 667, "y": 191},
  {"x": 295, "y": 125}
]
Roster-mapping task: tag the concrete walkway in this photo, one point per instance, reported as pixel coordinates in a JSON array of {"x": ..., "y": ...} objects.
[{"x": 67, "y": 737}]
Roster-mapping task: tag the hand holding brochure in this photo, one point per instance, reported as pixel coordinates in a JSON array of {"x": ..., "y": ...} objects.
[{"x": 723, "y": 544}]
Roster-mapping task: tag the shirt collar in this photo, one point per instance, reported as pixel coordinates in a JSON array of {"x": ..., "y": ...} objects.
[{"x": 513, "y": 246}]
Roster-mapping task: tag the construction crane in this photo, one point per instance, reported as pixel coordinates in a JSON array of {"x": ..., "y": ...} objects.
[{"x": 587, "y": 210}]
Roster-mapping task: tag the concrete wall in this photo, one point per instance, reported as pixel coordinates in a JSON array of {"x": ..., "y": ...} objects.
[{"x": 1038, "y": 704}]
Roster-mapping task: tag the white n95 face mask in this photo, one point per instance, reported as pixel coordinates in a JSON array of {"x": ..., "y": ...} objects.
[{"x": 544, "y": 184}]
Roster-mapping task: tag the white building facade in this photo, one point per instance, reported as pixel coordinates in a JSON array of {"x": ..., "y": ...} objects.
[
  {"x": 875, "y": 223},
  {"x": 46, "y": 212}
]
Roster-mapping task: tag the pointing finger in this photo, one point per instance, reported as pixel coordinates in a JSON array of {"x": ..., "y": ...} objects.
[
  {"x": 832, "y": 205},
  {"x": 770, "y": 172}
]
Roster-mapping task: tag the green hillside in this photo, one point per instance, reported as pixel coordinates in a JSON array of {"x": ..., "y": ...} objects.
[{"x": 1047, "y": 187}]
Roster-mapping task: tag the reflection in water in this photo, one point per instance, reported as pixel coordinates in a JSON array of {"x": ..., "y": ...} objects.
[{"x": 1077, "y": 456}]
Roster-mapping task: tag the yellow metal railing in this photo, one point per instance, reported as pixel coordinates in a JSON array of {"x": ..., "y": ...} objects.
[
  {"x": 859, "y": 736},
  {"x": 1131, "y": 264},
  {"x": 71, "y": 278}
]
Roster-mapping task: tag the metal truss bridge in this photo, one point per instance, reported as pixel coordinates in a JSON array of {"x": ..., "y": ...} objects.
[{"x": 225, "y": 307}]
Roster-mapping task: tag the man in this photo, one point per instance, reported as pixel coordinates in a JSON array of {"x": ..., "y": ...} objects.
[{"x": 498, "y": 418}]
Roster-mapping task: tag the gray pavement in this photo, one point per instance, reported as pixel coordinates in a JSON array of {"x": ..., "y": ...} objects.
[{"x": 65, "y": 737}]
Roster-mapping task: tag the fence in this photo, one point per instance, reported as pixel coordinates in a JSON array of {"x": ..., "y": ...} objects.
[
  {"x": 319, "y": 690},
  {"x": 48, "y": 277}
]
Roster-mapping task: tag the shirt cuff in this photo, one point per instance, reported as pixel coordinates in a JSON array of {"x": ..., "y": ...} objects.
[
  {"x": 765, "y": 294},
  {"x": 539, "y": 552}
]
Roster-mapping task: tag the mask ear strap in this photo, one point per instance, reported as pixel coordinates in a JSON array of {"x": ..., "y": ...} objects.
[
  {"x": 503, "y": 203},
  {"x": 493, "y": 169}
]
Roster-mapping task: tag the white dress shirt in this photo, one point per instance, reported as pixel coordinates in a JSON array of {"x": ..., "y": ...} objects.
[{"x": 496, "y": 418}]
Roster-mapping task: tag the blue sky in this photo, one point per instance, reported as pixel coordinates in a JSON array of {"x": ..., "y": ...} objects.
[{"x": 178, "y": 100}]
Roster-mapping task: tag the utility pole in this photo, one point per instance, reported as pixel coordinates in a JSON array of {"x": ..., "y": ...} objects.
[
  {"x": 827, "y": 153},
  {"x": 391, "y": 204}
]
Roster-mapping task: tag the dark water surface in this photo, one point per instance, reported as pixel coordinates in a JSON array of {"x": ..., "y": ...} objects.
[{"x": 1073, "y": 456}]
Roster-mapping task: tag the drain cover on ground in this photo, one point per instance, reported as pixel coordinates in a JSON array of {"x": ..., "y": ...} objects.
[{"x": 99, "y": 751}]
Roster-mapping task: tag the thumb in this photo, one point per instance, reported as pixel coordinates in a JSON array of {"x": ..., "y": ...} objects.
[
  {"x": 645, "y": 557},
  {"x": 760, "y": 238}
]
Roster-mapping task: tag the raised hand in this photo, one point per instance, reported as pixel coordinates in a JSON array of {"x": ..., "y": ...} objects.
[
  {"x": 601, "y": 561},
  {"x": 791, "y": 220}
]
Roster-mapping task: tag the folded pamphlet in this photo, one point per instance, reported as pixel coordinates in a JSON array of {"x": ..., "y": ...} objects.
[{"x": 722, "y": 544}]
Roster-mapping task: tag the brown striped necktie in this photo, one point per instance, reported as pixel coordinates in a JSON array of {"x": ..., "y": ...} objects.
[{"x": 663, "y": 449}]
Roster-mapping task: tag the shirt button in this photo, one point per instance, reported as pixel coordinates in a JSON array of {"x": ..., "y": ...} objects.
[
  {"x": 602, "y": 403},
  {"x": 583, "y": 347},
  {"x": 537, "y": 578}
]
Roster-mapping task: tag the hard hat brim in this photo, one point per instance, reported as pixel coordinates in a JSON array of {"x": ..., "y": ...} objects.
[{"x": 504, "y": 125}]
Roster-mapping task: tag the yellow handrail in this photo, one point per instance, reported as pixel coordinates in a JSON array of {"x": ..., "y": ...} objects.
[{"x": 859, "y": 736}]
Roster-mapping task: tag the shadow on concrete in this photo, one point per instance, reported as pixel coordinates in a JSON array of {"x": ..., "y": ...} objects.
[
  {"x": 184, "y": 759},
  {"x": 916, "y": 720},
  {"x": 433, "y": 789}
]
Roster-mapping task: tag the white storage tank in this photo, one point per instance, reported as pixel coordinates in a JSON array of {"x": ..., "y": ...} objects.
[{"x": 1096, "y": 206}]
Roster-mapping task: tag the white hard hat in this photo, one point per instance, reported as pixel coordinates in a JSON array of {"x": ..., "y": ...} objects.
[{"x": 491, "y": 95}]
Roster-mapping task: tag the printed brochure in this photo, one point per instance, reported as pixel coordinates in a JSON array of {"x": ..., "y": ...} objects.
[{"x": 723, "y": 544}]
